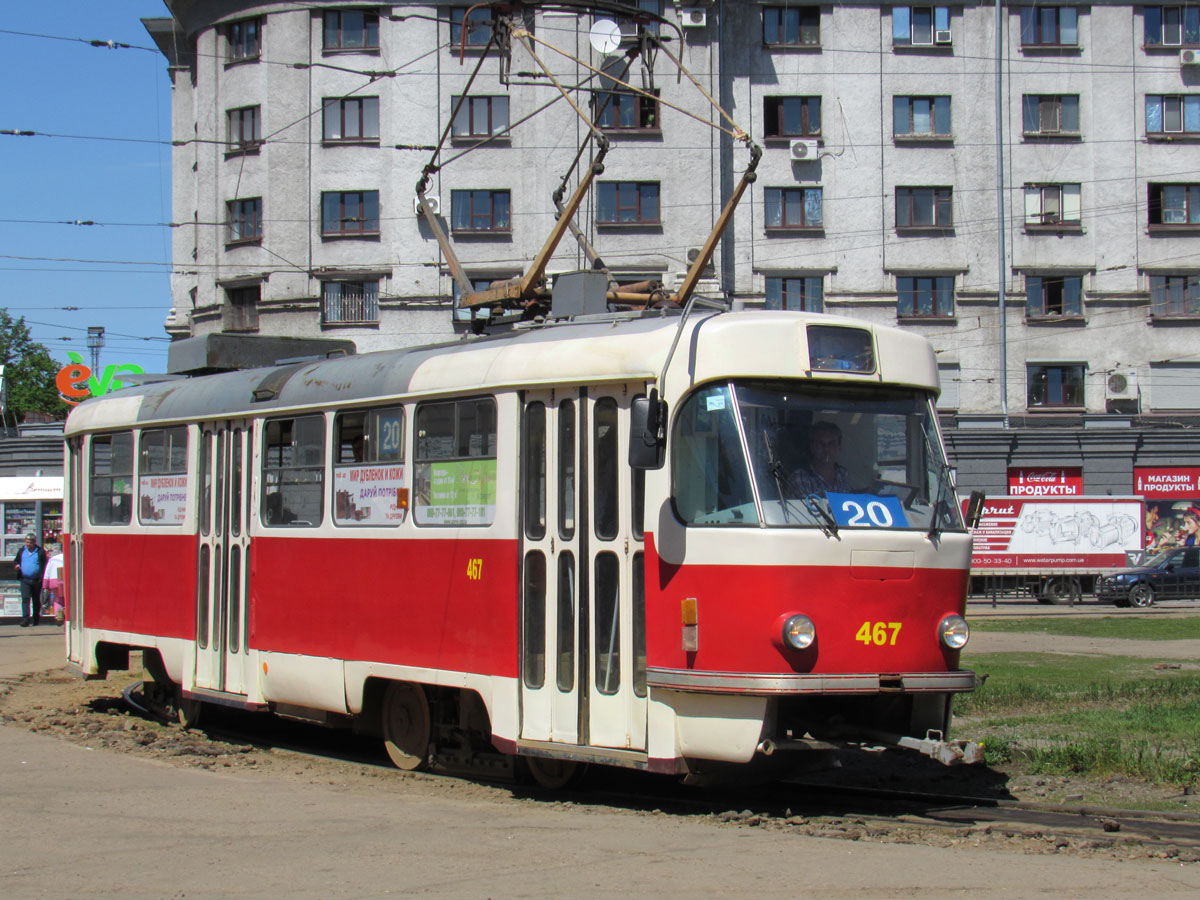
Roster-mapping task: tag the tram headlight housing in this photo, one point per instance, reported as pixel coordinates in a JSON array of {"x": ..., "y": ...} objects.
[
  {"x": 799, "y": 632},
  {"x": 954, "y": 632}
]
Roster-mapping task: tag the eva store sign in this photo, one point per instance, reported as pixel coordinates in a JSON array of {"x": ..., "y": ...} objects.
[{"x": 76, "y": 382}]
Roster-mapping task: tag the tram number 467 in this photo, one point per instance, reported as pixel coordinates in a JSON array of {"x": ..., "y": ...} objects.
[
  {"x": 879, "y": 633},
  {"x": 475, "y": 569}
]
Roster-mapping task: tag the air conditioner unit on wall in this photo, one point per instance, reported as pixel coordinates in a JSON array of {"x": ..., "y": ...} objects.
[
  {"x": 693, "y": 18},
  {"x": 1122, "y": 385},
  {"x": 804, "y": 150},
  {"x": 942, "y": 36},
  {"x": 1189, "y": 57},
  {"x": 434, "y": 206}
]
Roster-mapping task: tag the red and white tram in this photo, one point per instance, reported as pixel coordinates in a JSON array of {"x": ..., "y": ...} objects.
[{"x": 449, "y": 546}]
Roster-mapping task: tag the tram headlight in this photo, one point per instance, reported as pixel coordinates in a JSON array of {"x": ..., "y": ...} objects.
[
  {"x": 799, "y": 632},
  {"x": 954, "y": 632}
]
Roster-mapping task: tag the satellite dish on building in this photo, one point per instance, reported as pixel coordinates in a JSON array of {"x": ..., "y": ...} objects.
[{"x": 605, "y": 36}]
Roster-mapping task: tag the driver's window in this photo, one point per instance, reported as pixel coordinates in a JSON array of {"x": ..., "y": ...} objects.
[{"x": 710, "y": 483}]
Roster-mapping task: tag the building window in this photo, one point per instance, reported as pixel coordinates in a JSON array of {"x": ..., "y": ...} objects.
[
  {"x": 350, "y": 212},
  {"x": 925, "y": 296},
  {"x": 1052, "y": 205},
  {"x": 1174, "y": 204},
  {"x": 1055, "y": 385},
  {"x": 245, "y": 40},
  {"x": 920, "y": 26},
  {"x": 792, "y": 26},
  {"x": 1175, "y": 295},
  {"x": 1171, "y": 26},
  {"x": 803, "y": 293},
  {"x": 927, "y": 117},
  {"x": 245, "y": 129},
  {"x": 347, "y": 302},
  {"x": 241, "y": 308},
  {"x": 1172, "y": 114},
  {"x": 351, "y": 29},
  {"x": 245, "y": 220},
  {"x": 627, "y": 203},
  {"x": 1053, "y": 115},
  {"x": 924, "y": 207},
  {"x": 1053, "y": 295},
  {"x": 787, "y": 117},
  {"x": 793, "y": 207},
  {"x": 479, "y": 117},
  {"x": 480, "y": 211},
  {"x": 351, "y": 119},
  {"x": 622, "y": 110},
  {"x": 293, "y": 469},
  {"x": 1049, "y": 26},
  {"x": 629, "y": 24},
  {"x": 479, "y": 26}
]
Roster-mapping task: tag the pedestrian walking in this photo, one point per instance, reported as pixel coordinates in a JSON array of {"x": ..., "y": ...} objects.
[{"x": 30, "y": 563}]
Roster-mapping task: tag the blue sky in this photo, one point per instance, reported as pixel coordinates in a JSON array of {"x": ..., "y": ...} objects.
[{"x": 108, "y": 161}]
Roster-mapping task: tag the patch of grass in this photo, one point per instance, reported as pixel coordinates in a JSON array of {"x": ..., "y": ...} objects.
[
  {"x": 1062, "y": 715},
  {"x": 1142, "y": 628}
]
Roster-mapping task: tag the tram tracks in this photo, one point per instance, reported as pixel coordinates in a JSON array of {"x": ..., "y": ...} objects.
[{"x": 804, "y": 807}]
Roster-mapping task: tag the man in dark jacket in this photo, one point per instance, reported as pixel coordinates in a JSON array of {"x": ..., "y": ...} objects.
[{"x": 30, "y": 563}]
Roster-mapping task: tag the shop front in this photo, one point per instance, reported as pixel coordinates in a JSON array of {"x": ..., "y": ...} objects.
[{"x": 28, "y": 504}]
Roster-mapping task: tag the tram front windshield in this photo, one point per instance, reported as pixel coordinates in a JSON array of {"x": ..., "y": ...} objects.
[{"x": 808, "y": 455}]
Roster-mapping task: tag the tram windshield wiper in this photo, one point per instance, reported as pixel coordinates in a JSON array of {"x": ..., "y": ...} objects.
[{"x": 821, "y": 512}]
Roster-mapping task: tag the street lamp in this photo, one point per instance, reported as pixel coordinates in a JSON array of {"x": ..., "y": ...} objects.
[{"x": 95, "y": 340}]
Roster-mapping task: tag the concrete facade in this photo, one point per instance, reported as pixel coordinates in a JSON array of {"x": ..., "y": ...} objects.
[{"x": 1108, "y": 242}]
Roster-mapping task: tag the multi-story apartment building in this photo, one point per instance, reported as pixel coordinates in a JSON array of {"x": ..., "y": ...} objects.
[{"x": 915, "y": 171}]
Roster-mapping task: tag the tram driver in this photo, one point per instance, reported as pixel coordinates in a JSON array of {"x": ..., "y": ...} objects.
[{"x": 822, "y": 471}]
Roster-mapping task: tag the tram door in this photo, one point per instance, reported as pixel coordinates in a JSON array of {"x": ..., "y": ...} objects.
[
  {"x": 582, "y": 617},
  {"x": 224, "y": 573}
]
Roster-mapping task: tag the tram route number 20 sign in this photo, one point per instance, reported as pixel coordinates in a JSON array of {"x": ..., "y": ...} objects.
[{"x": 867, "y": 510}]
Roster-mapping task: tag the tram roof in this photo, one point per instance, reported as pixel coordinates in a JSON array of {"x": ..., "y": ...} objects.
[{"x": 758, "y": 343}]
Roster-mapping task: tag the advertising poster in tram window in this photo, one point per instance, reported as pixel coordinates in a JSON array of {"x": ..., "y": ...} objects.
[
  {"x": 1045, "y": 481},
  {"x": 1172, "y": 505},
  {"x": 1020, "y": 531},
  {"x": 162, "y": 499},
  {"x": 369, "y": 495},
  {"x": 456, "y": 492}
]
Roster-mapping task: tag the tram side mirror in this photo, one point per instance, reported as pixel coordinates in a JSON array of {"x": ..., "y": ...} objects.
[
  {"x": 975, "y": 508},
  {"x": 647, "y": 432}
]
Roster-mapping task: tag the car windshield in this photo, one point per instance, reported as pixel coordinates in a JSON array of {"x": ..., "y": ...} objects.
[{"x": 804, "y": 455}]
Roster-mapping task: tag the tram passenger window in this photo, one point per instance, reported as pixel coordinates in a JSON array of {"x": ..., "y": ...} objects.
[
  {"x": 369, "y": 484},
  {"x": 605, "y": 457},
  {"x": 533, "y": 448},
  {"x": 566, "y": 622},
  {"x": 162, "y": 476},
  {"x": 454, "y": 464},
  {"x": 608, "y": 623},
  {"x": 533, "y": 617},
  {"x": 294, "y": 471},
  {"x": 111, "y": 478}
]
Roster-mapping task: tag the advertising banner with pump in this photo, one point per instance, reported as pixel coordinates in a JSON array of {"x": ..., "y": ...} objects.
[{"x": 1075, "y": 532}]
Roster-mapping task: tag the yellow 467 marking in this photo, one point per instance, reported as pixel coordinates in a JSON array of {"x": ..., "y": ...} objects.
[
  {"x": 877, "y": 633},
  {"x": 475, "y": 569}
]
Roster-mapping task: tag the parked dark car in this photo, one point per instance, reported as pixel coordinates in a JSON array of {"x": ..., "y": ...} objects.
[{"x": 1170, "y": 575}]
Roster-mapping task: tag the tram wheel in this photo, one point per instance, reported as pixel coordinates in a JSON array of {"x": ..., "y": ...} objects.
[
  {"x": 553, "y": 774},
  {"x": 189, "y": 712},
  {"x": 1060, "y": 591},
  {"x": 405, "y": 724}
]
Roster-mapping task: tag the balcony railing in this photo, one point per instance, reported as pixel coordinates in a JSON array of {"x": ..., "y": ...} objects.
[{"x": 349, "y": 307}]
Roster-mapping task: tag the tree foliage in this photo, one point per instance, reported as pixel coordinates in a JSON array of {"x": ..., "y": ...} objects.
[{"x": 29, "y": 372}]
